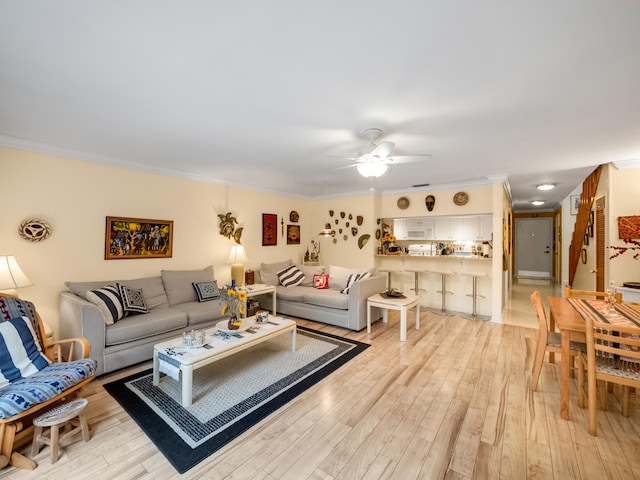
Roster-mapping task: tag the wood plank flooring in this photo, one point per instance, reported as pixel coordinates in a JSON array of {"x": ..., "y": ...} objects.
[{"x": 452, "y": 402}]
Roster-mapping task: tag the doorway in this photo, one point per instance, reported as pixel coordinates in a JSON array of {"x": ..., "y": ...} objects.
[{"x": 533, "y": 247}]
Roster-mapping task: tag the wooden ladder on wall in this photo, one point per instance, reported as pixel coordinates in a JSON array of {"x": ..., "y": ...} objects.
[{"x": 589, "y": 188}]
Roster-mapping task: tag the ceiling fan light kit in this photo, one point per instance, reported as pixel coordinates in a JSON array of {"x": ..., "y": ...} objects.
[{"x": 369, "y": 170}]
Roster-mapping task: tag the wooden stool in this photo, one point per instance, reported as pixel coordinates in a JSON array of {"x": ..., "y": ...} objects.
[{"x": 68, "y": 415}]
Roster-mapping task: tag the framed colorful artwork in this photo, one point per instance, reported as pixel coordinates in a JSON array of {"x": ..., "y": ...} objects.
[
  {"x": 127, "y": 238},
  {"x": 269, "y": 229},
  {"x": 575, "y": 204},
  {"x": 293, "y": 234}
]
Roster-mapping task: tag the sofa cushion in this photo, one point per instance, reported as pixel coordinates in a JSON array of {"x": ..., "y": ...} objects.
[
  {"x": 291, "y": 294},
  {"x": 179, "y": 284},
  {"x": 198, "y": 312},
  {"x": 290, "y": 276},
  {"x": 152, "y": 287},
  {"x": 309, "y": 271},
  {"x": 132, "y": 299},
  {"x": 206, "y": 291},
  {"x": 135, "y": 327},
  {"x": 338, "y": 276},
  {"x": 44, "y": 385},
  {"x": 353, "y": 278},
  {"x": 20, "y": 355},
  {"x": 269, "y": 271},
  {"x": 109, "y": 301},
  {"x": 326, "y": 298}
]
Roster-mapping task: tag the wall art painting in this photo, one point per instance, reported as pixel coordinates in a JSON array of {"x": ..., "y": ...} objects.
[
  {"x": 128, "y": 238},
  {"x": 269, "y": 229},
  {"x": 293, "y": 234}
]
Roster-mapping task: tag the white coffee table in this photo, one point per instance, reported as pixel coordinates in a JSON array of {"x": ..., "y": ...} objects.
[
  {"x": 401, "y": 304},
  {"x": 260, "y": 289},
  {"x": 184, "y": 361}
]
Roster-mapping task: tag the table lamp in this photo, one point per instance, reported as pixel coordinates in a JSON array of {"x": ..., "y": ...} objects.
[
  {"x": 237, "y": 257},
  {"x": 11, "y": 275}
]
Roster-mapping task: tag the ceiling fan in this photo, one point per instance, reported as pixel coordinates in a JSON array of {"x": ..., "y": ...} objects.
[{"x": 374, "y": 162}]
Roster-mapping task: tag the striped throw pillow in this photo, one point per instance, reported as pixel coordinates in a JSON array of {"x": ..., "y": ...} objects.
[
  {"x": 109, "y": 301},
  {"x": 21, "y": 354},
  {"x": 290, "y": 276},
  {"x": 353, "y": 278}
]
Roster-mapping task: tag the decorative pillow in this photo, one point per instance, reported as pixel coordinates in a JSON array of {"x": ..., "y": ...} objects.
[
  {"x": 109, "y": 301},
  {"x": 178, "y": 283},
  {"x": 21, "y": 353},
  {"x": 132, "y": 299},
  {"x": 339, "y": 276},
  {"x": 206, "y": 291},
  {"x": 353, "y": 278},
  {"x": 321, "y": 281},
  {"x": 290, "y": 276}
]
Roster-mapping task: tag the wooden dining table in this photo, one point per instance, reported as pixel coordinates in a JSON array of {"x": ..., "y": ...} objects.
[{"x": 571, "y": 324}]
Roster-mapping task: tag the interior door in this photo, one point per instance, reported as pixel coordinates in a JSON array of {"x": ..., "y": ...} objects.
[{"x": 533, "y": 247}]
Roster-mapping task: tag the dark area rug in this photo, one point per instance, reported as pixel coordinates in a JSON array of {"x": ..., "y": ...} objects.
[{"x": 231, "y": 395}]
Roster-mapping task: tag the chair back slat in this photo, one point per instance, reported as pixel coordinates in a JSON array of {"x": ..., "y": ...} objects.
[
  {"x": 13, "y": 307},
  {"x": 617, "y": 345}
]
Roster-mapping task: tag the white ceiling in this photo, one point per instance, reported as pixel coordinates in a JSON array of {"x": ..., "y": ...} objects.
[{"x": 258, "y": 93}]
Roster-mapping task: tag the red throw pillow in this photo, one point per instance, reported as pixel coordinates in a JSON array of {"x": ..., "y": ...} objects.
[{"x": 321, "y": 281}]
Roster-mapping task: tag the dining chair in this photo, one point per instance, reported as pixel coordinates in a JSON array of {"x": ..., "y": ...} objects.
[
  {"x": 572, "y": 292},
  {"x": 547, "y": 341},
  {"x": 613, "y": 356}
]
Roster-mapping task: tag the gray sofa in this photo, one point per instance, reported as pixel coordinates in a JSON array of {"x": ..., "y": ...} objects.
[
  {"x": 173, "y": 308},
  {"x": 330, "y": 306}
]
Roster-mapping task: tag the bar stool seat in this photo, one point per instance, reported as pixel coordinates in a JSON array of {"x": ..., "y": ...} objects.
[
  {"x": 444, "y": 292},
  {"x": 474, "y": 294},
  {"x": 69, "y": 416}
]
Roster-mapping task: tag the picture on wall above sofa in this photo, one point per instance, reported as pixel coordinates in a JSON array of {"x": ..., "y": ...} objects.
[{"x": 138, "y": 238}]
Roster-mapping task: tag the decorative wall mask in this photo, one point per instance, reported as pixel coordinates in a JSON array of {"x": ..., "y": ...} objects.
[
  {"x": 331, "y": 213},
  {"x": 294, "y": 216},
  {"x": 362, "y": 241},
  {"x": 342, "y": 214},
  {"x": 359, "y": 220},
  {"x": 354, "y": 231},
  {"x": 430, "y": 202},
  {"x": 34, "y": 230}
]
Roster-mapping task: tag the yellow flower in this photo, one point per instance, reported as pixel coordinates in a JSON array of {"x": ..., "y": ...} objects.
[
  {"x": 231, "y": 292},
  {"x": 224, "y": 309},
  {"x": 242, "y": 296}
]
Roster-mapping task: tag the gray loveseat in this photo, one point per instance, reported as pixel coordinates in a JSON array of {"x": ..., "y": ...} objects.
[
  {"x": 330, "y": 306},
  {"x": 173, "y": 307}
]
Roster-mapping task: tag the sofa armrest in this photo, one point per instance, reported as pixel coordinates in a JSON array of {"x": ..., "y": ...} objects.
[
  {"x": 358, "y": 295},
  {"x": 82, "y": 319}
]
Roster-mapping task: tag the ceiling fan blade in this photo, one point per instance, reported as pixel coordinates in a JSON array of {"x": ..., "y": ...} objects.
[
  {"x": 383, "y": 149},
  {"x": 353, "y": 159},
  {"x": 407, "y": 158}
]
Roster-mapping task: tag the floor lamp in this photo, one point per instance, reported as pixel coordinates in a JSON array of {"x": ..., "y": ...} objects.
[{"x": 237, "y": 258}]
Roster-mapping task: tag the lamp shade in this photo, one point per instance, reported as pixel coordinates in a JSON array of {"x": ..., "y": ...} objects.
[
  {"x": 236, "y": 258},
  {"x": 11, "y": 275},
  {"x": 237, "y": 255},
  {"x": 374, "y": 169}
]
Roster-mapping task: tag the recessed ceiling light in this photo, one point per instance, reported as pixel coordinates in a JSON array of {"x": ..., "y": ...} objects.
[
  {"x": 537, "y": 203},
  {"x": 546, "y": 186}
]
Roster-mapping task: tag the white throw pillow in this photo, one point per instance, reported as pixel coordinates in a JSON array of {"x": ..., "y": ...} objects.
[
  {"x": 353, "y": 278},
  {"x": 290, "y": 276},
  {"x": 22, "y": 355}
]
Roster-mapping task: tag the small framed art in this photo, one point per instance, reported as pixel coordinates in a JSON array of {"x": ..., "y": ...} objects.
[
  {"x": 293, "y": 234},
  {"x": 575, "y": 204},
  {"x": 138, "y": 238},
  {"x": 269, "y": 229}
]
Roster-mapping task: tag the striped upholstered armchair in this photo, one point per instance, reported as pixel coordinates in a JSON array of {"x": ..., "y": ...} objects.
[{"x": 34, "y": 376}]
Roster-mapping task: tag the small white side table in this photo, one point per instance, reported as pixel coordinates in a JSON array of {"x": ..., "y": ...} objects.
[
  {"x": 260, "y": 289},
  {"x": 400, "y": 304}
]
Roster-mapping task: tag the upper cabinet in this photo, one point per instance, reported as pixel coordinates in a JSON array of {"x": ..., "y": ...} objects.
[{"x": 451, "y": 228}]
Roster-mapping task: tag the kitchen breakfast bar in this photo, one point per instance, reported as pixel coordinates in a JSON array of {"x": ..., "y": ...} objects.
[{"x": 446, "y": 284}]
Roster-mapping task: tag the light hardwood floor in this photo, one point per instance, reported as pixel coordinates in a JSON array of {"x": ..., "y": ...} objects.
[{"x": 452, "y": 402}]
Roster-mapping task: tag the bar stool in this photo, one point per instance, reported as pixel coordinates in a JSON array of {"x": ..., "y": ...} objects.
[
  {"x": 474, "y": 315},
  {"x": 67, "y": 415},
  {"x": 444, "y": 292},
  {"x": 416, "y": 277},
  {"x": 388, "y": 272}
]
